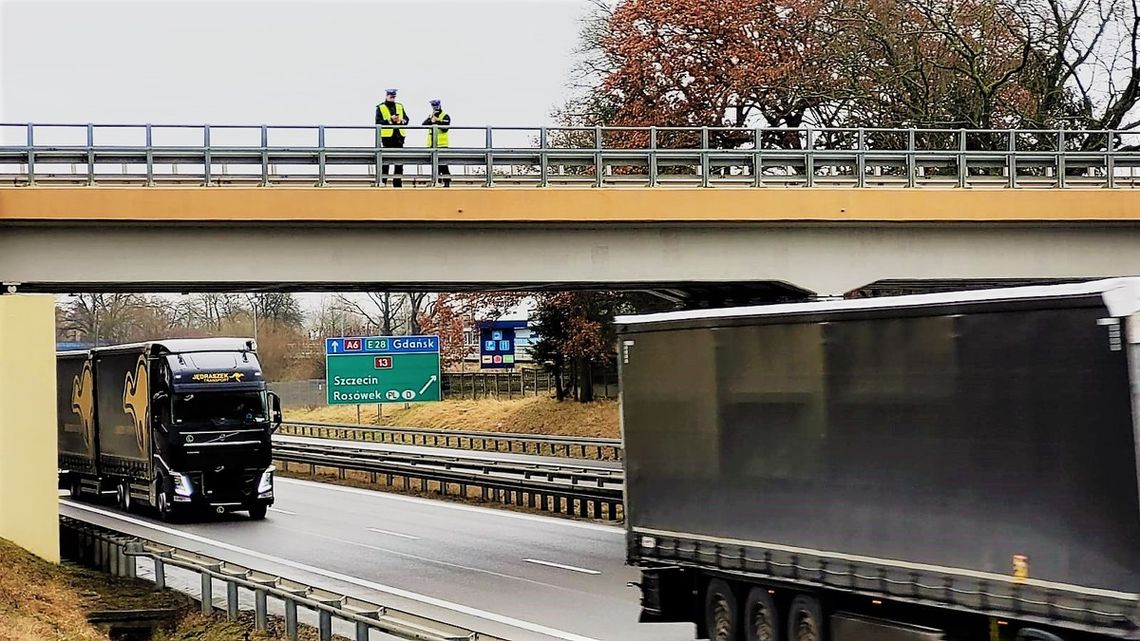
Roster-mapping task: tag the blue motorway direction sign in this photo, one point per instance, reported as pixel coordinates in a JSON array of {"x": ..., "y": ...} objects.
[{"x": 382, "y": 369}]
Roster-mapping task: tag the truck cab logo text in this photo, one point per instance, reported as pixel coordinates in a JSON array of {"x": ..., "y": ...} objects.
[{"x": 217, "y": 377}]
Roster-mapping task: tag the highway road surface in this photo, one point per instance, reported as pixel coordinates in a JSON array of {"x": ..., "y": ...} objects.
[{"x": 518, "y": 576}]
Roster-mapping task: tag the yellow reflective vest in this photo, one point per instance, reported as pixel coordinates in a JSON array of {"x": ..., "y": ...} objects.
[
  {"x": 386, "y": 116},
  {"x": 438, "y": 137}
]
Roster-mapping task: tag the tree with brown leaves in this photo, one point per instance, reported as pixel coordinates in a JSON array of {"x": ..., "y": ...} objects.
[
  {"x": 443, "y": 317},
  {"x": 576, "y": 337},
  {"x": 863, "y": 63},
  {"x": 694, "y": 63}
]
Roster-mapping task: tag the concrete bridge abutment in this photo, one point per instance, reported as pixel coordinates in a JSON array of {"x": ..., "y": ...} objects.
[{"x": 29, "y": 501}]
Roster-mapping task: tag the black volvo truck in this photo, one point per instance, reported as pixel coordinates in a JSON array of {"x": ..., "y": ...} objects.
[
  {"x": 947, "y": 466},
  {"x": 181, "y": 425}
]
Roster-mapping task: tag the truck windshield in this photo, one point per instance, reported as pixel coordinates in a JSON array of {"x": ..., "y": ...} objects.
[{"x": 219, "y": 408}]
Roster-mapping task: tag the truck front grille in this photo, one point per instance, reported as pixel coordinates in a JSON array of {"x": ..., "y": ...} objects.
[{"x": 226, "y": 484}]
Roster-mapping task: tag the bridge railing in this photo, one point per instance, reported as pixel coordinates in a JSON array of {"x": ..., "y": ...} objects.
[{"x": 321, "y": 155}]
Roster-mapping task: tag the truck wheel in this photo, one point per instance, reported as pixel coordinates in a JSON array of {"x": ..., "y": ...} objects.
[
  {"x": 73, "y": 489},
  {"x": 805, "y": 620},
  {"x": 721, "y": 617},
  {"x": 1033, "y": 634},
  {"x": 761, "y": 618},
  {"x": 123, "y": 496},
  {"x": 165, "y": 509},
  {"x": 257, "y": 512}
]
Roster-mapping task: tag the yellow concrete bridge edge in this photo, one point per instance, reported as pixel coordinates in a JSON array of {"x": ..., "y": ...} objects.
[
  {"x": 29, "y": 501},
  {"x": 581, "y": 205}
]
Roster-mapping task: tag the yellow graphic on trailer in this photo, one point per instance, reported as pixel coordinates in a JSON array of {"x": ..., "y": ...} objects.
[
  {"x": 1020, "y": 568},
  {"x": 217, "y": 377},
  {"x": 136, "y": 397},
  {"x": 83, "y": 402}
]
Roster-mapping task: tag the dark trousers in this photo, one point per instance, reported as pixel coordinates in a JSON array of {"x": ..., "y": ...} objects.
[{"x": 389, "y": 142}]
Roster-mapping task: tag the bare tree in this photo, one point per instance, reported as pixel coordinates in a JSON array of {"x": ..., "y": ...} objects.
[
  {"x": 277, "y": 307},
  {"x": 417, "y": 305},
  {"x": 211, "y": 311},
  {"x": 332, "y": 319},
  {"x": 384, "y": 312},
  {"x": 1088, "y": 64},
  {"x": 930, "y": 62},
  {"x": 103, "y": 318}
]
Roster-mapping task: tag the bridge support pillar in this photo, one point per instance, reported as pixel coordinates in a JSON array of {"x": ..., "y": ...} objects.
[{"x": 29, "y": 502}]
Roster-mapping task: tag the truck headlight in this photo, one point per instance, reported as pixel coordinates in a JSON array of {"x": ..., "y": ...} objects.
[
  {"x": 266, "y": 482},
  {"x": 182, "y": 485}
]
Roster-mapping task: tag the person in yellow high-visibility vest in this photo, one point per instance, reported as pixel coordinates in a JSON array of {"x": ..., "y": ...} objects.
[
  {"x": 437, "y": 135},
  {"x": 391, "y": 113}
]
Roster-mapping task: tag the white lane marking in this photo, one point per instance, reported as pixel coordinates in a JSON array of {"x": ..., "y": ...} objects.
[
  {"x": 425, "y": 559},
  {"x": 391, "y": 533},
  {"x": 279, "y": 510},
  {"x": 337, "y": 576},
  {"x": 561, "y": 566},
  {"x": 548, "y": 520}
]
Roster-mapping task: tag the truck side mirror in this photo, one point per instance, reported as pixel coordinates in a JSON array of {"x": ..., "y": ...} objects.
[
  {"x": 274, "y": 410},
  {"x": 160, "y": 409}
]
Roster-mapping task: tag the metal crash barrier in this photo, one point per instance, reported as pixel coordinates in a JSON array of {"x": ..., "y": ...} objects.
[
  {"x": 118, "y": 554},
  {"x": 535, "y": 444},
  {"x": 577, "y": 490}
]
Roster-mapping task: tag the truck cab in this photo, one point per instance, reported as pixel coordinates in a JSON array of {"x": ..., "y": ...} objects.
[
  {"x": 183, "y": 425},
  {"x": 213, "y": 421}
]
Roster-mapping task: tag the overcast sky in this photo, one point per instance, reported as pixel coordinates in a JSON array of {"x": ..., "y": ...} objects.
[
  {"x": 261, "y": 62},
  {"x": 254, "y": 62}
]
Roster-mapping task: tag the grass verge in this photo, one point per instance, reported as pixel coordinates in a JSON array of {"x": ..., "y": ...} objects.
[
  {"x": 521, "y": 416},
  {"x": 40, "y": 601}
]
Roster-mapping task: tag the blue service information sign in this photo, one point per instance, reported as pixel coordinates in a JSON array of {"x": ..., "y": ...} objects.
[
  {"x": 382, "y": 345},
  {"x": 496, "y": 347}
]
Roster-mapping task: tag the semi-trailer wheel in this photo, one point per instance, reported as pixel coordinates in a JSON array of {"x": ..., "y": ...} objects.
[
  {"x": 761, "y": 618},
  {"x": 722, "y": 619},
  {"x": 73, "y": 489},
  {"x": 805, "y": 620}
]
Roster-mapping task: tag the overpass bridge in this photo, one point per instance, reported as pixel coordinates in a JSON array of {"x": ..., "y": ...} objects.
[
  {"x": 744, "y": 214},
  {"x": 665, "y": 209}
]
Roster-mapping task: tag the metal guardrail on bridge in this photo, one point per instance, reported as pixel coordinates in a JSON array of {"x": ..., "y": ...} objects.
[
  {"x": 535, "y": 444},
  {"x": 117, "y": 553},
  {"x": 182, "y": 154},
  {"x": 576, "y": 490}
]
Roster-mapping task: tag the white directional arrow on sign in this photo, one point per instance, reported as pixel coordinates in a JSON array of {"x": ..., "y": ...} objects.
[{"x": 428, "y": 384}]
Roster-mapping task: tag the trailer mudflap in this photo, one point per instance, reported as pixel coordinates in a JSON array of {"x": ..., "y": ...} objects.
[{"x": 667, "y": 595}]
